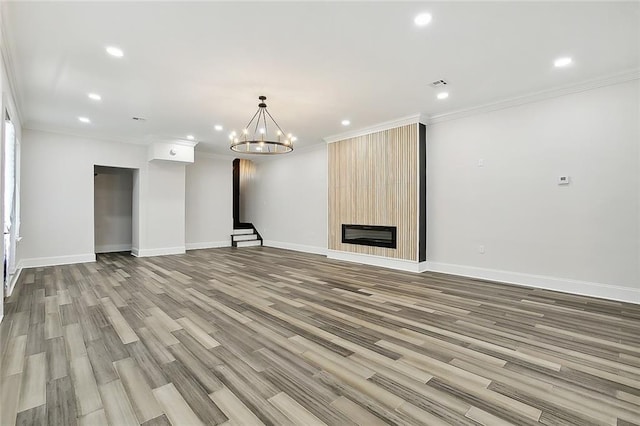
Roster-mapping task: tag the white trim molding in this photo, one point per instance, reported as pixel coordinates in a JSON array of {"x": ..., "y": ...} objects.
[
  {"x": 208, "y": 245},
  {"x": 564, "y": 285},
  {"x": 295, "y": 247},
  {"x": 159, "y": 251},
  {"x": 392, "y": 124},
  {"x": 384, "y": 262},
  {"x": 112, "y": 248},
  {"x": 537, "y": 96},
  {"x": 36, "y": 262}
]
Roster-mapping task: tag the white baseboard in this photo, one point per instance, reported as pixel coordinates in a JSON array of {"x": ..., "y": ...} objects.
[
  {"x": 295, "y": 247},
  {"x": 112, "y": 248},
  {"x": 207, "y": 245},
  {"x": 135, "y": 251},
  {"x": 159, "y": 252},
  {"x": 385, "y": 262},
  {"x": 57, "y": 260},
  {"x": 564, "y": 285}
]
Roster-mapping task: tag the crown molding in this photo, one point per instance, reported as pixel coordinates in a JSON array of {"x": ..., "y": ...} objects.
[
  {"x": 609, "y": 80},
  {"x": 63, "y": 131},
  {"x": 392, "y": 124}
]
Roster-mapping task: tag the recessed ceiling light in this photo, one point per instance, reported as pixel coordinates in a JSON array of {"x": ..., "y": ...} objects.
[
  {"x": 443, "y": 95},
  {"x": 115, "y": 51},
  {"x": 84, "y": 120},
  {"x": 190, "y": 137},
  {"x": 94, "y": 96},
  {"x": 218, "y": 127},
  {"x": 345, "y": 122},
  {"x": 562, "y": 62},
  {"x": 422, "y": 19}
]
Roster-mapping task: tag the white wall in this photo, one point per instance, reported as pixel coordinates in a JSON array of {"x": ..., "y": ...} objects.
[
  {"x": 57, "y": 198},
  {"x": 113, "y": 210},
  {"x": 165, "y": 202},
  {"x": 287, "y": 200},
  {"x": 588, "y": 231},
  {"x": 209, "y": 203}
]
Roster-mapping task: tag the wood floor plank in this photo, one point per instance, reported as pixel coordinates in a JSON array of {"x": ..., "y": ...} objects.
[
  {"x": 33, "y": 391},
  {"x": 233, "y": 408},
  {"x": 177, "y": 409},
  {"x": 198, "y": 333},
  {"x": 126, "y": 333},
  {"x": 9, "y": 398},
  {"x": 294, "y": 411},
  {"x": 144, "y": 403},
  {"x": 61, "y": 402},
  {"x": 36, "y": 416},
  {"x": 13, "y": 360},
  {"x": 117, "y": 406},
  {"x": 88, "y": 398},
  {"x": 97, "y": 418}
]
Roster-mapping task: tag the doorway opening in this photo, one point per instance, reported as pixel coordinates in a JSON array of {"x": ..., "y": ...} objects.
[{"x": 114, "y": 209}]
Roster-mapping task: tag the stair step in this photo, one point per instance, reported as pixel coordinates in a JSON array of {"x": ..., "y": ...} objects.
[
  {"x": 244, "y": 237},
  {"x": 248, "y": 243},
  {"x": 242, "y": 231}
]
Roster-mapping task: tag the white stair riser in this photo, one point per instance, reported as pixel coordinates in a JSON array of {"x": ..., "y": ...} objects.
[
  {"x": 246, "y": 237},
  {"x": 248, "y": 243},
  {"x": 242, "y": 231}
]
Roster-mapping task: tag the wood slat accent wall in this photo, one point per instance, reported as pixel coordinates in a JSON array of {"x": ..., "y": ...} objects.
[{"x": 373, "y": 181}]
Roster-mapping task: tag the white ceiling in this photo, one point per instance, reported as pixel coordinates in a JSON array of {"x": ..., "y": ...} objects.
[{"x": 188, "y": 66}]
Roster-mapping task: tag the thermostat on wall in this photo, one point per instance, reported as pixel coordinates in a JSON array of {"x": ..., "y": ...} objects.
[{"x": 563, "y": 180}]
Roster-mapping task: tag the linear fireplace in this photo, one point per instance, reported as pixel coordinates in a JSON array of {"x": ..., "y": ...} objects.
[{"x": 369, "y": 235}]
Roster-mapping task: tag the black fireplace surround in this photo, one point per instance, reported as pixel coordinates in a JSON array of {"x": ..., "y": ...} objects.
[{"x": 369, "y": 235}]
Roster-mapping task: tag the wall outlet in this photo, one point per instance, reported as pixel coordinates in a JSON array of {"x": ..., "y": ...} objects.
[
  {"x": 563, "y": 180},
  {"x": 481, "y": 249}
]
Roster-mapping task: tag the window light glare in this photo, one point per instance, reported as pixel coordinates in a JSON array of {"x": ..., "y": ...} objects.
[
  {"x": 115, "y": 51},
  {"x": 190, "y": 137},
  {"x": 84, "y": 120},
  {"x": 422, "y": 19},
  {"x": 443, "y": 95},
  {"x": 562, "y": 62},
  {"x": 346, "y": 122},
  {"x": 218, "y": 127},
  {"x": 94, "y": 96}
]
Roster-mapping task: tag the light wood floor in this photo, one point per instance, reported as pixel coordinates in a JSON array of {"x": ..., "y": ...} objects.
[{"x": 268, "y": 336}]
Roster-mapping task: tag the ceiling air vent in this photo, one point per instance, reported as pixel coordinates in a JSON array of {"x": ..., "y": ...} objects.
[{"x": 439, "y": 83}]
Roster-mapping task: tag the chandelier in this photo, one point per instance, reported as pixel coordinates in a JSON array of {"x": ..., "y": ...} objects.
[{"x": 262, "y": 135}]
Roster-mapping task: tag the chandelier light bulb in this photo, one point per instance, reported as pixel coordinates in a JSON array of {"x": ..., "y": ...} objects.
[
  {"x": 245, "y": 131},
  {"x": 279, "y": 133}
]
